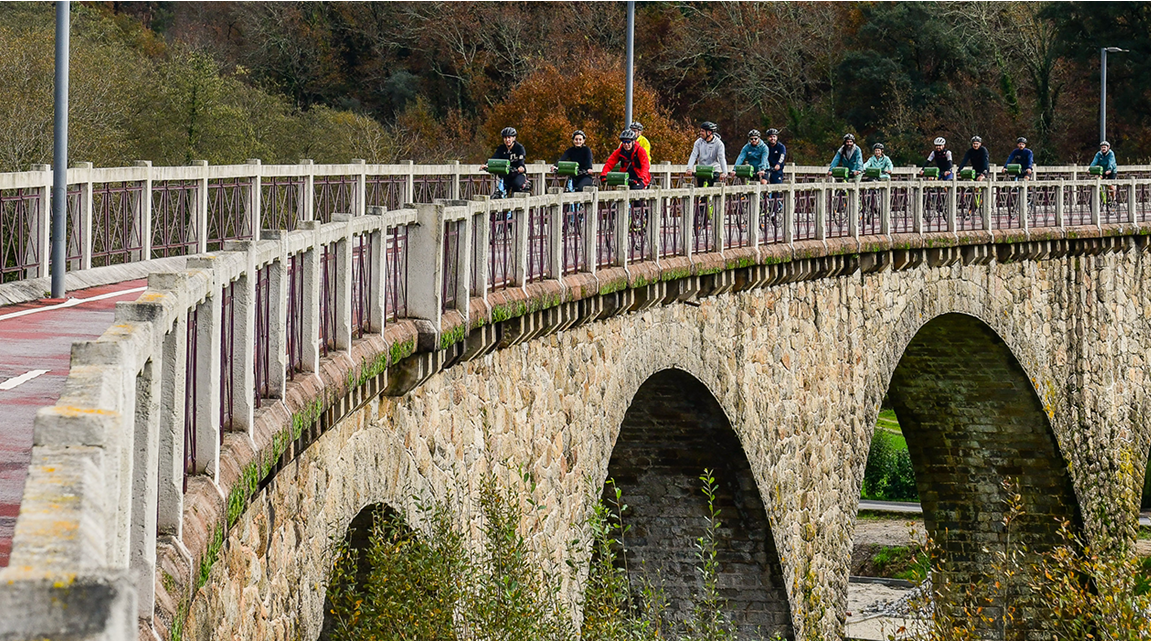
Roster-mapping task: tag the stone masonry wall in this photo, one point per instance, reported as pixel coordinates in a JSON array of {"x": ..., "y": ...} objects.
[{"x": 799, "y": 370}]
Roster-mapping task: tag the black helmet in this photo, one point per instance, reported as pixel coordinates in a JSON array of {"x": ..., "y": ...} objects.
[
  {"x": 508, "y": 131},
  {"x": 637, "y": 125},
  {"x": 847, "y": 137},
  {"x": 578, "y": 132},
  {"x": 754, "y": 133},
  {"x": 627, "y": 135},
  {"x": 708, "y": 126},
  {"x": 976, "y": 139},
  {"x": 877, "y": 145},
  {"x": 772, "y": 132},
  {"x": 1021, "y": 139}
]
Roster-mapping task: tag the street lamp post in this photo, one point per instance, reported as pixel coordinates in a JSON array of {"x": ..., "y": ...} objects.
[
  {"x": 1103, "y": 51},
  {"x": 630, "y": 62}
]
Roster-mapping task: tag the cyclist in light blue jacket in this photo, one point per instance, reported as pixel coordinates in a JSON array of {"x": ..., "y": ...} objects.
[
  {"x": 754, "y": 153},
  {"x": 848, "y": 156},
  {"x": 1105, "y": 158},
  {"x": 880, "y": 161}
]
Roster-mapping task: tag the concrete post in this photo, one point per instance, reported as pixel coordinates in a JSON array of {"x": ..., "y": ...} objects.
[
  {"x": 308, "y": 190},
  {"x": 455, "y": 187},
  {"x": 885, "y": 209},
  {"x": 170, "y": 456},
  {"x": 243, "y": 340},
  {"x": 821, "y": 214},
  {"x": 343, "y": 283},
  {"x": 463, "y": 270},
  {"x": 853, "y": 201},
  {"x": 146, "y": 450},
  {"x": 915, "y": 203},
  {"x": 483, "y": 248},
  {"x": 591, "y": 229},
  {"x": 719, "y": 219},
  {"x": 555, "y": 237},
  {"x": 255, "y": 207},
  {"x": 622, "y": 226},
  {"x": 988, "y": 203},
  {"x": 520, "y": 212},
  {"x": 207, "y": 368},
  {"x": 42, "y": 241},
  {"x": 377, "y": 291},
  {"x": 360, "y": 191},
  {"x": 144, "y": 211},
  {"x": 1132, "y": 201},
  {"x": 689, "y": 215},
  {"x": 201, "y": 207},
  {"x": 409, "y": 195},
  {"x": 952, "y": 203},
  {"x": 1024, "y": 210},
  {"x": 313, "y": 289},
  {"x": 1060, "y": 213},
  {"x": 654, "y": 211},
  {"x": 278, "y": 280},
  {"x": 86, "y": 239},
  {"x": 425, "y": 263}
]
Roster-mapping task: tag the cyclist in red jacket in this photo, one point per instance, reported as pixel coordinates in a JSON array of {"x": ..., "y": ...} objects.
[{"x": 631, "y": 158}]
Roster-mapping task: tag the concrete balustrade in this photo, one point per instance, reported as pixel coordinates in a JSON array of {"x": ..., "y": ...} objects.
[{"x": 107, "y": 481}]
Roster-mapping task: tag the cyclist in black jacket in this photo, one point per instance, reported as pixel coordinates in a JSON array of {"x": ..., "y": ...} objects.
[
  {"x": 580, "y": 153},
  {"x": 978, "y": 157},
  {"x": 512, "y": 151}
]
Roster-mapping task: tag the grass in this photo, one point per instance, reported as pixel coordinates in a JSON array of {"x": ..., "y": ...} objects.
[
  {"x": 888, "y": 421},
  {"x": 901, "y": 562}
]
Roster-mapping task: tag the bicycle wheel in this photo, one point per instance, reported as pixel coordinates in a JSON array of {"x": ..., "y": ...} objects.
[{"x": 838, "y": 214}]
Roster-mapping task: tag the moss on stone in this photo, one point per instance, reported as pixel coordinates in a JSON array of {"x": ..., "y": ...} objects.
[
  {"x": 401, "y": 350},
  {"x": 452, "y": 336}
]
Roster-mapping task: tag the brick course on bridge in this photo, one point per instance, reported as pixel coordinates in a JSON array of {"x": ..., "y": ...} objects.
[{"x": 796, "y": 341}]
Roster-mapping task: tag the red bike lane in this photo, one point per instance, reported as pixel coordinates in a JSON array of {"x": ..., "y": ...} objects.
[{"x": 35, "y": 345}]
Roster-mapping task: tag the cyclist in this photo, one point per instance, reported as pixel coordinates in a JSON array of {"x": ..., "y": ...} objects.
[
  {"x": 978, "y": 157},
  {"x": 707, "y": 151},
  {"x": 879, "y": 161},
  {"x": 631, "y": 158},
  {"x": 580, "y": 153},
  {"x": 941, "y": 158},
  {"x": 754, "y": 153},
  {"x": 642, "y": 141},
  {"x": 776, "y": 155},
  {"x": 1105, "y": 158},
  {"x": 1022, "y": 156},
  {"x": 514, "y": 152},
  {"x": 848, "y": 155}
]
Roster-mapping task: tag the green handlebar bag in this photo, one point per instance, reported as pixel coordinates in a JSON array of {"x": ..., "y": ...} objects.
[
  {"x": 1014, "y": 169},
  {"x": 839, "y": 172},
  {"x": 931, "y": 172},
  {"x": 567, "y": 168},
  {"x": 744, "y": 171},
  {"x": 616, "y": 178},
  {"x": 1096, "y": 170},
  {"x": 873, "y": 172},
  {"x": 705, "y": 171},
  {"x": 499, "y": 166},
  {"x": 967, "y": 174}
]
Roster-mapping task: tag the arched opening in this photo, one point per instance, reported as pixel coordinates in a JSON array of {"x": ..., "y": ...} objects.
[
  {"x": 673, "y": 430},
  {"x": 972, "y": 419}
]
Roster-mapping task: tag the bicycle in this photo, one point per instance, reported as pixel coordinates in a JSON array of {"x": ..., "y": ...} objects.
[
  {"x": 1107, "y": 194},
  {"x": 1013, "y": 202},
  {"x": 935, "y": 198},
  {"x": 869, "y": 206},
  {"x": 704, "y": 213},
  {"x": 837, "y": 212},
  {"x": 970, "y": 198}
]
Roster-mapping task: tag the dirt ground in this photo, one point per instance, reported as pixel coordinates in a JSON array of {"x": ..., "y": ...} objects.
[{"x": 871, "y": 535}]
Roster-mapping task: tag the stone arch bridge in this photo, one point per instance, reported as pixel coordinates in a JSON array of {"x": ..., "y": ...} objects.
[{"x": 641, "y": 336}]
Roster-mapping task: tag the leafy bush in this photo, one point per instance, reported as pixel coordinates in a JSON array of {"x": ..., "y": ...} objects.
[{"x": 889, "y": 475}]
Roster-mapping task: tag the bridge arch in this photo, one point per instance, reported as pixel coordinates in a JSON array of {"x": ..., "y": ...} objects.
[
  {"x": 972, "y": 418},
  {"x": 673, "y": 429}
]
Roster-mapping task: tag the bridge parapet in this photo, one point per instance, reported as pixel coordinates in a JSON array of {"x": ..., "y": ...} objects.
[
  {"x": 218, "y": 374},
  {"x": 127, "y": 214}
]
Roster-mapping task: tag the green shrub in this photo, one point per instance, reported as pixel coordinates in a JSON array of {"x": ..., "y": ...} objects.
[{"x": 889, "y": 475}]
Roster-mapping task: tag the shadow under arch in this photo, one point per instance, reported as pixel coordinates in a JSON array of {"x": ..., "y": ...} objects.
[
  {"x": 358, "y": 538},
  {"x": 972, "y": 418},
  {"x": 673, "y": 429}
]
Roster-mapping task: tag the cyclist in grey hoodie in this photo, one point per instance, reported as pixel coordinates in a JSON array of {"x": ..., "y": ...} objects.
[{"x": 708, "y": 151}]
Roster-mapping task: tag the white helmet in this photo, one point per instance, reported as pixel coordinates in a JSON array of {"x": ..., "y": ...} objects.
[{"x": 940, "y": 141}]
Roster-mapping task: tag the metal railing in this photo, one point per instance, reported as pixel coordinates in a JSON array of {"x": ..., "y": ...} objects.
[{"x": 276, "y": 304}]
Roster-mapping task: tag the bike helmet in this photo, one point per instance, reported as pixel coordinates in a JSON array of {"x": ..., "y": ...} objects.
[
  {"x": 940, "y": 141},
  {"x": 754, "y": 133},
  {"x": 976, "y": 139},
  {"x": 772, "y": 132},
  {"x": 1104, "y": 143},
  {"x": 637, "y": 125},
  {"x": 850, "y": 137},
  {"x": 508, "y": 131},
  {"x": 578, "y": 132},
  {"x": 627, "y": 135},
  {"x": 877, "y": 145},
  {"x": 708, "y": 126},
  {"x": 1021, "y": 139}
]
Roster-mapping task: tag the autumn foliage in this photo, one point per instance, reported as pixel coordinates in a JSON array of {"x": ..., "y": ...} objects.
[{"x": 550, "y": 104}]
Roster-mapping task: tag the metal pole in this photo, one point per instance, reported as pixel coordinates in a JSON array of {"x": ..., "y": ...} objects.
[
  {"x": 1103, "y": 94},
  {"x": 630, "y": 59},
  {"x": 60, "y": 152}
]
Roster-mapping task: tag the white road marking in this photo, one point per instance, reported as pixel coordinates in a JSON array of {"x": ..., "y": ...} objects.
[
  {"x": 21, "y": 379},
  {"x": 72, "y": 302}
]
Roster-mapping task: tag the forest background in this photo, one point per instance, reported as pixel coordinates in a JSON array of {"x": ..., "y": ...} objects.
[{"x": 435, "y": 82}]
